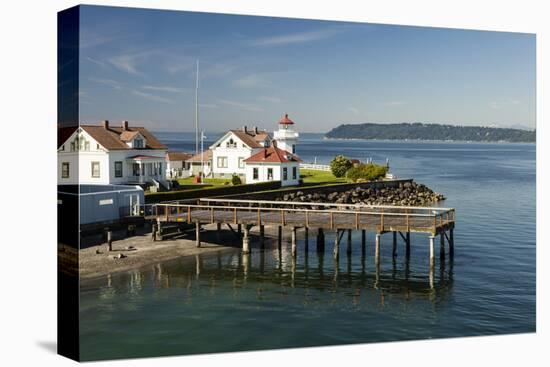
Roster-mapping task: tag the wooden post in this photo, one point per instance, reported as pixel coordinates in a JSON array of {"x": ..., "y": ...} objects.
[
  {"x": 240, "y": 229},
  {"x": 394, "y": 247},
  {"x": 188, "y": 214},
  {"x": 198, "y": 234},
  {"x": 154, "y": 232},
  {"x": 349, "y": 242},
  {"x": 320, "y": 240},
  {"x": 377, "y": 249},
  {"x": 336, "y": 249},
  {"x": 408, "y": 245},
  {"x": 306, "y": 239},
  {"x": 262, "y": 235},
  {"x": 246, "y": 244},
  {"x": 442, "y": 246},
  {"x": 451, "y": 243},
  {"x": 280, "y": 237},
  {"x": 110, "y": 240},
  {"x": 219, "y": 232},
  {"x": 432, "y": 257},
  {"x": 293, "y": 240}
]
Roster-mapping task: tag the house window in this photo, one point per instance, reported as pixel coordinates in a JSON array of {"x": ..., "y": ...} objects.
[
  {"x": 87, "y": 146},
  {"x": 65, "y": 170},
  {"x": 98, "y": 147},
  {"x": 241, "y": 162},
  {"x": 255, "y": 173},
  {"x": 138, "y": 143},
  {"x": 222, "y": 162},
  {"x": 135, "y": 169},
  {"x": 293, "y": 149},
  {"x": 72, "y": 146},
  {"x": 231, "y": 144},
  {"x": 294, "y": 173},
  {"x": 285, "y": 174},
  {"x": 270, "y": 174},
  {"x": 118, "y": 169},
  {"x": 95, "y": 169}
]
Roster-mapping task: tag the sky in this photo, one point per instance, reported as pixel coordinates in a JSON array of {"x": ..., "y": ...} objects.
[{"x": 140, "y": 65}]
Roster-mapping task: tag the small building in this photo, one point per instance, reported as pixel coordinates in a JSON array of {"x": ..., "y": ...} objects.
[
  {"x": 177, "y": 164},
  {"x": 273, "y": 164},
  {"x": 201, "y": 162},
  {"x": 230, "y": 151},
  {"x": 286, "y": 137},
  {"x": 105, "y": 154}
]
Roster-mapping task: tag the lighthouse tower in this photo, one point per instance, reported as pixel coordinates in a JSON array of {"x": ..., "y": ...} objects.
[{"x": 286, "y": 136}]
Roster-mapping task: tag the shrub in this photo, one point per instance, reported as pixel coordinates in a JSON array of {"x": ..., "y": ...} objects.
[
  {"x": 340, "y": 165},
  {"x": 236, "y": 180},
  {"x": 366, "y": 172}
]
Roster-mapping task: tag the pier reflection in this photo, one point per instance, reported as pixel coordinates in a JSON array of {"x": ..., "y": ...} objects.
[{"x": 351, "y": 278}]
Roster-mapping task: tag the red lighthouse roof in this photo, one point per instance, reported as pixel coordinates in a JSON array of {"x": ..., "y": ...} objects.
[{"x": 286, "y": 121}]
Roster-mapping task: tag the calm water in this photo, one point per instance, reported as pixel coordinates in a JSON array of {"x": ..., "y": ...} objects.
[{"x": 226, "y": 302}]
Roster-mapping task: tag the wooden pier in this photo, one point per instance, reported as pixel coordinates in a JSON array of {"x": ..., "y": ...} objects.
[{"x": 241, "y": 215}]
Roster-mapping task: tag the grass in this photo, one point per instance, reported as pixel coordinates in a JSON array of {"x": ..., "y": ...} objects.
[
  {"x": 209, "y": 181},
  {"x": 312, "y": 176}
]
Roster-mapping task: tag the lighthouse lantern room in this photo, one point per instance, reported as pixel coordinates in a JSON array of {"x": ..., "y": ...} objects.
[{"x": 286, "y": 136}]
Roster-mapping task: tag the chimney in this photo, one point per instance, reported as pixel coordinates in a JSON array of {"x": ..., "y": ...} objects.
[
  {"x": 274, "y": 143},
  {"x": 244, "y": 129},
  {"x": 255, "y": 130},
  {"x": 124, "y": 125},
  {"x": 265, "y": 153},
  {"x": 106, "y": 124}
]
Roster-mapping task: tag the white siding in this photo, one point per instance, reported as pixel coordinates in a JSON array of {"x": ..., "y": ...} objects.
[
  {"x": 233, "y": 155},
  {"x": 277, "y": 173}
]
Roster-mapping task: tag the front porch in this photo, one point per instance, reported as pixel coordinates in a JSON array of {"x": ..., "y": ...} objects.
[{"x": 144, "y": 169}]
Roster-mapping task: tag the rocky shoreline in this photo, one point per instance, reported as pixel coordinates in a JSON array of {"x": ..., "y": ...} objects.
[{"x": 407, "y": 194}]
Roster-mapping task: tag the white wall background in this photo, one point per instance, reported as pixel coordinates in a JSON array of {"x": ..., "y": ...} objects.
[{"x": 28, "y": 307}]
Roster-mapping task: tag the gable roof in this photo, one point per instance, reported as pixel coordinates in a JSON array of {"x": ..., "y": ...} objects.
[
  {"x": 111, "y": 138},
  {"x": 178, "y": 156},
  {"x": 127, "y": 136},
  {"x": 272, "y": 155},
  {"x": 248, "y": 137}
]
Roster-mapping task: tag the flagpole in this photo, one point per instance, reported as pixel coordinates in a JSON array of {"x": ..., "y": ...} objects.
[
  {"x": 202, "y": 154},
  {"x": 197, "y": 111}
]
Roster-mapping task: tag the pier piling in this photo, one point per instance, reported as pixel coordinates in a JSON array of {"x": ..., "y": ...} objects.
[
  {"x": 442, "y": 246},
  {"x": 320, "y": 240},
  {"x": 219, "y": 232},
  {"x": 293, "y": 241},
  {"x": 198, "y": 234},
  {"x": 394, "y": 245},
  {"x": 349, "y": 242},
  {"x": 110, "y": 240},
  {"x": 408, "y": 245},
  {"x": 262, "y": 235},
  {"x": 451, "y": 243},
  {"x": 280, "y": 238},
  {"x": 306, "y": 239},
  {"x": 432, "y": 257},
  {"x": 377, "y": 249},
  {"x": 246, "y": 240},
  {"x": 336, "y": 249}
]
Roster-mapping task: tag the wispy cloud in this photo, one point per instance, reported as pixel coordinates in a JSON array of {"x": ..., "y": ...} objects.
[
  {"x": 163, "y": 88},
  {"x": 295, "y": 38},
  {"x": 496, "y": 105},
  {"x": 252, "y": 81},
  {"x": 353, "y": 110},
  {"x": 269, "y": 99},
  {"x": 394, "y": 103},
  {"x": 243, "y": 106},
  {"x": 108, "y": 82},
  {"x": 151, "y": 97},
  {"x": 208, "y": 105},
  {"x": 130, "y": 62}
]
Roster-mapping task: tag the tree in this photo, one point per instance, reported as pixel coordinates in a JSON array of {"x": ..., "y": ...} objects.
[
  {"x": 366, "y": 172},
  {"x": 340, "y": 165}
]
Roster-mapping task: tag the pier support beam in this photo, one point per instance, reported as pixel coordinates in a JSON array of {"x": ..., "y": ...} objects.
[
  {"x": 394, "y": 245},
  {"x": 432, "y": 256},
  {"x": 262, "y": 235},
  {"x": 442, "y": 246},
  {"x": 280, "y": 238},
  {"x": 349, "y": 242},
  {"x": 408, "y": 245},
  {"x": 306, "y": 239},
  {"x": 377, "y": 249},
  {"x": 451, "y": 243},
  {"x": 246, "y": 240},
  {"x": 198, "y": 234},
  {"x": 336, "y": 250},
  {"x": 320, "y": 240},
  {"x": 293, "y": 241}
]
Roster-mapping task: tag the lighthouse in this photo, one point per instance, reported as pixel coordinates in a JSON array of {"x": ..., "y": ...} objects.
[{"x": 286, "y": 136}]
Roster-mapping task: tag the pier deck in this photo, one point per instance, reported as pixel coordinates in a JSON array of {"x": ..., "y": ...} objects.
[{"x": 323, "y": 216}]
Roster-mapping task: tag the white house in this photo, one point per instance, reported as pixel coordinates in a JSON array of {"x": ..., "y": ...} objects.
[
  {"x": 91, "y": 154},
  {"x": 230, "y": 151},
  {"x": 273, "y": 164},
  {"x": 177, "y": 164},
  {"x": 201, "y": 162}
]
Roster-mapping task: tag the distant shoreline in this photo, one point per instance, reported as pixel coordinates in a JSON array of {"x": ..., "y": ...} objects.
[{"x": 435, "y": 141}]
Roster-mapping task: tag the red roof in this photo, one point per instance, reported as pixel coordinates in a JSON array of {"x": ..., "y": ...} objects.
[
  {"x": 272, "y": 155},
  {"x": 286, "y": 121}
]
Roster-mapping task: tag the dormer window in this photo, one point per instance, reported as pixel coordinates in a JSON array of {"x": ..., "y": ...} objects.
[
  {"x": 138, "y": 143},
  {"x": 80, "y": 143}
]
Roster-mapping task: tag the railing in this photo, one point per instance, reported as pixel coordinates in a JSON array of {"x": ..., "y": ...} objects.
[
  {"x": 315, "y": 167},
  {"x": 334, "y": 216}
]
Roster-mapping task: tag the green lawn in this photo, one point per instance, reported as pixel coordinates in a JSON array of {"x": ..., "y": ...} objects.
[
  {"x": 312, "y": 176},
  {"x": 210, "y": 181}
]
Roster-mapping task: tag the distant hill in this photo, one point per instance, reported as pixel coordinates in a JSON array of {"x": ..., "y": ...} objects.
[{"x": 420, "y": 131}]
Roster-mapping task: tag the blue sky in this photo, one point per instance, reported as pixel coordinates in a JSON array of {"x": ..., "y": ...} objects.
[{"x": 139, "y": 65}]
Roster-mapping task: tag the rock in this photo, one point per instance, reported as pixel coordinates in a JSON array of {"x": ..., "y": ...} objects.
[{"x": 120, "y": 256}]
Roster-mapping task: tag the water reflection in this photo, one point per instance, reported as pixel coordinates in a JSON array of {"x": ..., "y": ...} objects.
[{"x": 269, "y": 272}]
